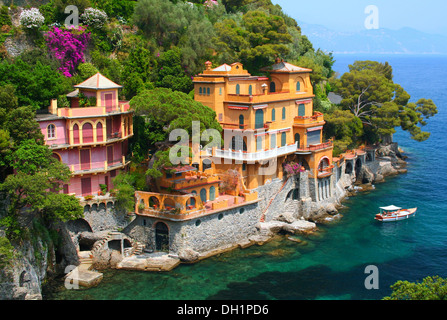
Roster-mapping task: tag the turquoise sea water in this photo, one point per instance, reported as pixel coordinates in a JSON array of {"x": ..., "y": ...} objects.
[{"x": 330, "y": 264}]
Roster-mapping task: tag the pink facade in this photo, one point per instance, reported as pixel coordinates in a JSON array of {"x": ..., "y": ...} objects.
[{"x": 92, "y": 141}]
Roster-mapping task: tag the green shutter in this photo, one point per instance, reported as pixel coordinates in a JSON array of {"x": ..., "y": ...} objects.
[
  {"x": 283, "y": 139},
  {"x": 259, "y": 119},
  {"x": 301, "y": 110}
]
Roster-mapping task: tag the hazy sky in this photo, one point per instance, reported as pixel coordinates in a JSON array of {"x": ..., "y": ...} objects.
[{"x": 349, "y": 15}]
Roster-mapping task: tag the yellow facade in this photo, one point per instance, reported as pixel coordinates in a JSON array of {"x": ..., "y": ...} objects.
[{"x": 262, "y": 117}]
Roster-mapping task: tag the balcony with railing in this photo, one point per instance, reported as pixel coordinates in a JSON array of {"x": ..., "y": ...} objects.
[
  {"x": 99, "y": 166},
  {"x": 193, "y": 180},
  {"x": 325, "y": 172},
  {"x": 255, "y": 156},
  {"x": 93, "y": 111},
  {"x": 317, "y": 147},
  {"x": 260, "y": 98},
  {"x": 233, "y": 126},
  {"x": 317, "y": 118}
]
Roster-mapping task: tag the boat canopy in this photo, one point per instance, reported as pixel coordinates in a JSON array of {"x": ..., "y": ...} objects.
[{"x": 390, "y": 208}]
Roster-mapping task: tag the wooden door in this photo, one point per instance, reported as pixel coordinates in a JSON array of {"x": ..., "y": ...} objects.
[
  {"x": 109, "y": 102},
  {"x": 110, "y": 155},
  {"x": 86, "y": 186},
  {"x": 85, "y": 159}
]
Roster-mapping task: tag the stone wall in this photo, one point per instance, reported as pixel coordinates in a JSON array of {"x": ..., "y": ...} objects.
[
  {"x": 103, "y": 215},
  {"x": 212, "y": 232}
]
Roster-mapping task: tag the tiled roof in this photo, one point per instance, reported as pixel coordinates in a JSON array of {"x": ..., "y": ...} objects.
[
  {"x": 285, "y": 67},
  {"x": 224, "y": 67},
  {"x": 98, "y": 82}
]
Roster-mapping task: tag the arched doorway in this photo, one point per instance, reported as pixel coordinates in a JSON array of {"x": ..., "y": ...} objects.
[
  {"x": 358, "y": 166},
  {"x": 348, "y": 169},
  {"x": 153, "y": 202},
  {"x": 297, "y": 139},
  {"x": 191, "y": 203},
  {"x": 238, "y": 143},
  {"x": 161, "y": 237},
  {"x": 324, "y": 163}
]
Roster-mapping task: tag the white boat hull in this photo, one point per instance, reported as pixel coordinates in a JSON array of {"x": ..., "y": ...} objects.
[{"x": 400, "y": 215}]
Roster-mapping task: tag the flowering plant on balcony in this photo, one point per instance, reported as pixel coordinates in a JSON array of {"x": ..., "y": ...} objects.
[
  {"x": 31, "y": 18},
  {"x": 293, "y": 168}
]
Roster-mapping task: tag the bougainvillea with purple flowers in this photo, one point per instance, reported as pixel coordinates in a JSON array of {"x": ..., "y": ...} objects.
[
  {"x": 293, "y": 168},
  {"x": 68, "y": 46}
]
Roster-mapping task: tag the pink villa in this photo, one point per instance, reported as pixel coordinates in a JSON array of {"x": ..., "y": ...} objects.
[{"x": 91, "y": 135}]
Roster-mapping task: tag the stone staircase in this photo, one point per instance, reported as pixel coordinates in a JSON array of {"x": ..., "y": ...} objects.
[
  {"x": 136, "y": 249},
  {"x": 139, "y": 247},
  {"x": 86, "y": 260}
]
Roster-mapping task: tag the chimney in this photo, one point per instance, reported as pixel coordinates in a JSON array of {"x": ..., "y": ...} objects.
[
  {"x": 53, "y": 107},
  {"x": 264, "y": 88},
  {"x": 208, "y": 65}
]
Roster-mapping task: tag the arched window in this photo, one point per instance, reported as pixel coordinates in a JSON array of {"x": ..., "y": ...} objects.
[
  {"x": 238, "y": 143},
  {"x": 272, "y": 87},
  {"x": 99, "y": 135},
  {"x": 207, "y": 91},
  {"x": 324, "y": 163},
  {"x": 301, "y": 110},
  {"x": 238, "y": 89},
  {"x": 87, "y": 133},
  {"x": 241, "y": 122},
  {"x": 51, "y": 132},
  {"x": 284, "y": 113},
  {"x": 283, "y": 139},
  {"x": 76, "y": 134},
  {"x": 212, "y": 193},
  {"x": 200, "y": 90},
  {"x": 203, "y": 195},
  {"x": 250, "y": 90},
  {"x": 298, "y": 86},
  {"x": 273, "y": 115}
]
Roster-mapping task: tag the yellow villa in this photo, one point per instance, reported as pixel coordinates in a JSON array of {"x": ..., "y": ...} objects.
[{"x": 267, "y": 121}]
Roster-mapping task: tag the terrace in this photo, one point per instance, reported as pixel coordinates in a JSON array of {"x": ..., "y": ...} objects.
[
  {"x": 266, "y": 97},
  {"x": 179, "y": 207},
  {"x": 255, "y": 156},
  {"x": 317, "y": 118},
  {"x": 121, "y": 107}
]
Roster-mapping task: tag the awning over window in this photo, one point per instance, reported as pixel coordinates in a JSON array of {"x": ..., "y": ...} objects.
[
  {"x": 235, "y": 107},
  {"x": 303, "y": 101},
  {"x": 314, "y": 129}
]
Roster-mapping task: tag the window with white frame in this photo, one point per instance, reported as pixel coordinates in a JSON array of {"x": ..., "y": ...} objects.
[{"x": 51, "y": 131}]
